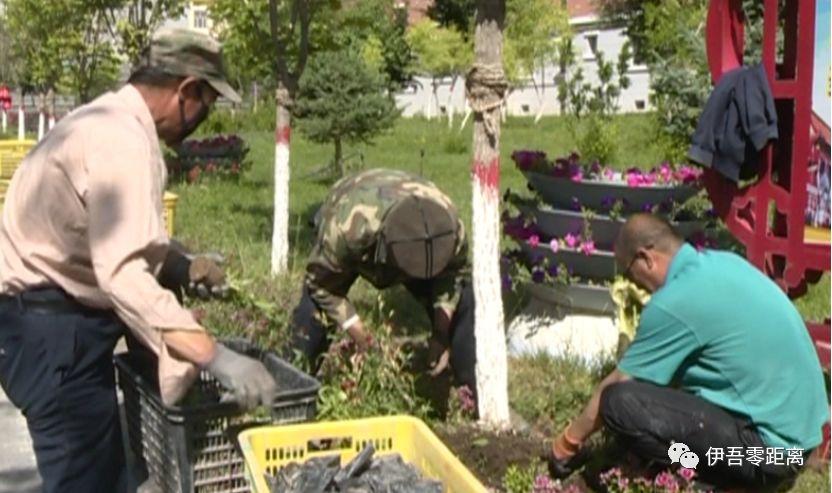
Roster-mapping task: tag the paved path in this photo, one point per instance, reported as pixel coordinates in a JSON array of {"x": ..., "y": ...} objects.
[{"x": 18, "y": 471}]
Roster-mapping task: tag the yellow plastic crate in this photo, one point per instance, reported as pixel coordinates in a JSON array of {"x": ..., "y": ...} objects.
[
  {"x": 267, "y": 449},
  {"x": 170, "y": 211},
  {"x": 9, "y": 162},
  {"x": 18, "y": 146}
]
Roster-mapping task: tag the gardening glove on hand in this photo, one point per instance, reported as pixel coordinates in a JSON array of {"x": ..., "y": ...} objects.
[
  {"x": 439, "y": 356},
  {"x": 565, "y": 456},
  {"x": 206, "y": 277},
  {"x": 245, "y": 377}
]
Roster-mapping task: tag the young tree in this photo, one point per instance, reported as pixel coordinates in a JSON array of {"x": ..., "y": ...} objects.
[
  {"x": 340, "y": 99},
  {"x": 486, "y": 87},
  {"x": 273, "y": 36},
  {"x": 133, "y": 22},
  {"x": 440, "y": 52},
  {"x": 533, "y": 29}
]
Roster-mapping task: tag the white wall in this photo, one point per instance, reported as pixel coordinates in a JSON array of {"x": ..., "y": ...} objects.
[{"x": 524, "y": 98}]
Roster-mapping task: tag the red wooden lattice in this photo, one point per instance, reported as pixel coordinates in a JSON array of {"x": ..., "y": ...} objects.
[{"x": 768, "y": 216}]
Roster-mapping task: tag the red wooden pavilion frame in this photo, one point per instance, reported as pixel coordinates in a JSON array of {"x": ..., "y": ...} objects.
[{"x": 775, "y": 240}]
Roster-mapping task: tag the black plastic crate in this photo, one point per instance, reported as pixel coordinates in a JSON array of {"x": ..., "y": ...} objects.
[{"x": 192, "y": 447}]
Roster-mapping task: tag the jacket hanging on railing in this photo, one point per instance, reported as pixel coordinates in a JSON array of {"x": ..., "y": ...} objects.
[{"x": 738, "y": 121}]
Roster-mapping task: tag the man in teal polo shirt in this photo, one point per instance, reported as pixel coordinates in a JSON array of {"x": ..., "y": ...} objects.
[{"x": 721, "y": 359}]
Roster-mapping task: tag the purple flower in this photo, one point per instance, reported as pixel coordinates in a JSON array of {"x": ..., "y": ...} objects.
[
  {"x": 647, "y": 207},
  {"x": 608, "y": 202},
  {"x": 595, "y": 169},
  {"x": 527, "y": 160},
  {"x": 538, "y": 276},
  {"x": 506, "y": 283},
  {"x": 576, "y": 204},
  {"x": 552, "y": 270}
]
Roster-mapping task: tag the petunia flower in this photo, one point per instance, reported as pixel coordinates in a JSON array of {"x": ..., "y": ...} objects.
[
  {"x": 533, "y": 241},
  {"x": 554, "y": 245},
  {"x": 588, "y": 247},
  {"x": 571, "y": 240}
]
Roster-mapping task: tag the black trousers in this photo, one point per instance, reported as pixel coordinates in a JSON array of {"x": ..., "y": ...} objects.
[
  {"x": 311, "y": 338},
  {"x": 648, "y": 418},
  {"x": 56, "y": 367}
]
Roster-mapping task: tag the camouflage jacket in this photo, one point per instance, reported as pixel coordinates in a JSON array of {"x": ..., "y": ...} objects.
[{"x": 349, "y": 227}]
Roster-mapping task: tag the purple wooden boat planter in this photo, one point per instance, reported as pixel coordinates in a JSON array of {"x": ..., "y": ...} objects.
[
  {"x": 561, "y": 193},
  {"x": 599, "y": 265},
  {"x": 557, "y": 223},
  {"x": 576, "y": 296}
]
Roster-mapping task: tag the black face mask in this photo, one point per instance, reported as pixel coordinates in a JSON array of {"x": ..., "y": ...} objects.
[{"x": 187, "y": 127}]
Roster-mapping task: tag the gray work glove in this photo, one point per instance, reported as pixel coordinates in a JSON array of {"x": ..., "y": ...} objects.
[{"x": 247, "y": 378}]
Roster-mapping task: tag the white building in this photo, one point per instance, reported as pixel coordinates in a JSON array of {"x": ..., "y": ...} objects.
[{"x": 591, "y": 38}]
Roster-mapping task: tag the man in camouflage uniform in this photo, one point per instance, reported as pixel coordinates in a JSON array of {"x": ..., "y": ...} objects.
[{"x": 389, "y": 227}]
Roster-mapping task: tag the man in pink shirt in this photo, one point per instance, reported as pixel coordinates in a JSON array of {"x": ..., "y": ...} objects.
[{"x": 82, "y": 244}]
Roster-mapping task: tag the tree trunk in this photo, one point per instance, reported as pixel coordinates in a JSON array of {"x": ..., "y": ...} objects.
[
  {"x": 5, "y": 121},
  {"x": 451, "y": 104},
  {"x": 492, "y": 365},
  {"x": 428, "y": 112},
  {"x": 282, "y": 135},
  {"x": 51, "y": 109},
  {"x": 21, "y": 121},
  {"x": 41, "y": 116},
  {"x": 339, "y": 159}
]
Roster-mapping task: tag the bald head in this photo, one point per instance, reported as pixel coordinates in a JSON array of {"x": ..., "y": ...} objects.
[{"x": 651, "y": 238}]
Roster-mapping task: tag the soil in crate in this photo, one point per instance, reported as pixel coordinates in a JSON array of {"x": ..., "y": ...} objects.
[{"x": 365, "y": 473}]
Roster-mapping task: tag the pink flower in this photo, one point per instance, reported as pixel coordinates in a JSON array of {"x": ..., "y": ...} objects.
[
  {"x": 554, "y": 245},
  {"x": 667, "y": 481},
  {"x": 577, "y": 176},
  {"x": 687, "y": 474},
  {"x": 588, "y": 247},
  {"x": 571, "y": 240},
  {"x": 533, "y": 241},
  {"x": 633, "y": 180}
]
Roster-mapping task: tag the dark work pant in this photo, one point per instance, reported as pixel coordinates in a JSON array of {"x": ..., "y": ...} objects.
[
  {"x": 648, "y": 418},
  {"x": 56, "y": 367},
  {"x": 312, "y": 339}
]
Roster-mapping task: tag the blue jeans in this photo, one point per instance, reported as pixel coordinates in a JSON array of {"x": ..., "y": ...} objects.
[{"x": 56, "y": 367}]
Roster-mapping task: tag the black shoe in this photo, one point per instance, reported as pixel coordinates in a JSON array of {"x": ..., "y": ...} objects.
[{"x": 561, "y": 469}]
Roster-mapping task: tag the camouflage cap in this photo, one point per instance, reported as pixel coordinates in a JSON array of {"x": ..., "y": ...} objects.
[
  {"x": 183, "y": 52},
  {"x": 418, "y": 237}
]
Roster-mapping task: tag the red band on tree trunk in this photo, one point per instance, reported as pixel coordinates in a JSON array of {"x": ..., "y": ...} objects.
[
  {"x": 283, "y": 134},
  {"x": 488, "y": 174}
]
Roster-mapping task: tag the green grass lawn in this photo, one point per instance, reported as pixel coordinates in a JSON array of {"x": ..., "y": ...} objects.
[{"x": 235, "y": 218}]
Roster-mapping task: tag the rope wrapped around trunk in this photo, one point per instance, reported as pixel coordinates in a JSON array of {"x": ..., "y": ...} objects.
[{"x": 485, "y": 88}]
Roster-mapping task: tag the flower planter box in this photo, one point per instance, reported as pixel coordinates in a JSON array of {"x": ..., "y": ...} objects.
[
  {"x": 563, "y": 193},
  {"x": 557, "y": 223},
  {"x": 576, "y": 297},
  {"x": 598, "y": 265}
]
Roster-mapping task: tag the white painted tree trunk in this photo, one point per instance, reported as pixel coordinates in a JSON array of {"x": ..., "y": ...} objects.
[
  {"x": 492, "y": 362},
  {"x": 450, "y": 105},
  {"x": 41, "y": 124},
  {"x": 5, "y": 121},
  {"x": 51, "y": 122},
  {"x": 428, "y": 107},
  {"x": 21, "y": 123},
  {"x": 280, "y": 233},
  {"x": 467, "y": 116}
]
